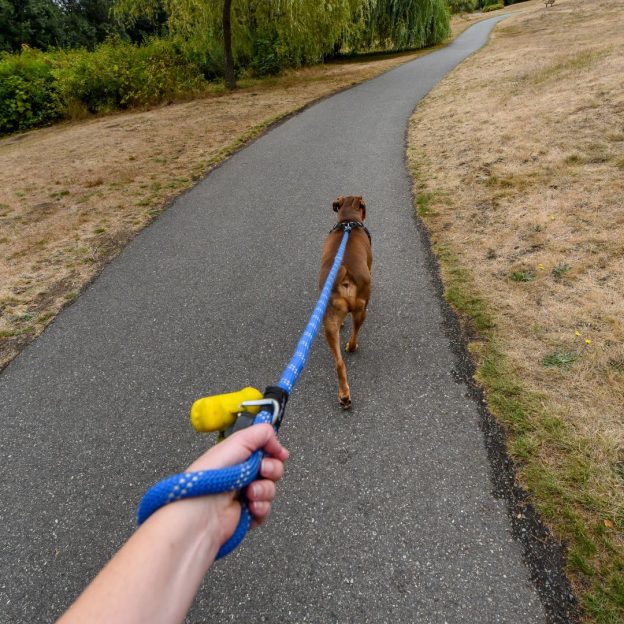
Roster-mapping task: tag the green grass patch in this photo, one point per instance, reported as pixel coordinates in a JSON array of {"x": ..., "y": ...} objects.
[
  {"x": 560, "y": 359},
  {"x": 423, "y": 204},
  {"x": 560, "y": 271},
  {"x": 522, "y": 276}
]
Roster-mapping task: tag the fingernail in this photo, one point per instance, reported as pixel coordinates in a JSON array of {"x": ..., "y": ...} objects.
[{"x": 267, "y": 468}]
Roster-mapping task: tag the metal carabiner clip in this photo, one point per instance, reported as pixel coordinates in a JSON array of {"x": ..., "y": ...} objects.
[{"x": 265, "y": 402}]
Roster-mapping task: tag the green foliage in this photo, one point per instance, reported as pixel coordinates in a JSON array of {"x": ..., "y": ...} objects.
[
  {"x": 38, "y": 88},
  {"x": 522, "y": 276},
  {"x": 50, "y": 24},
  {"x": 37, "y": 23},
  {"x": 560, "y": 359},
  {"x": 492, "y": 7},
  {"x": 121, "y": 75},
  {"x": 463, "y": 6},
  {"x": 205, "y": 53},
  {"x": 29, "y": 94},
  {"x": 266, "y": 57},
  {"x": 268, "y": 36},
  {"x": 404, "y": 24},
  {"x": 560, "y": 271}
]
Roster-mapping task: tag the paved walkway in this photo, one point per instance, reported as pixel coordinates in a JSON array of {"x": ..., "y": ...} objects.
[{"x": 386, "y": 513}]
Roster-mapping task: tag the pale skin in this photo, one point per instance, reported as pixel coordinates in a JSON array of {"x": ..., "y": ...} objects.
[{"x": 156, "y": 574}]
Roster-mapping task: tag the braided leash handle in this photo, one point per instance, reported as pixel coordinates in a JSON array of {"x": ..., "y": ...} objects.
[{"x": 203, "y": 482}]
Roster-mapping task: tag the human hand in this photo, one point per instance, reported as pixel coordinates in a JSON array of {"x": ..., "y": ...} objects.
[
  {"x": 156, "y": 574},
  {"x": 233, "y": 450}
]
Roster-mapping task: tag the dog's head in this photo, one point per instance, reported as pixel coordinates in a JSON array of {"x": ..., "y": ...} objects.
[{"x": 350, "y": 208}]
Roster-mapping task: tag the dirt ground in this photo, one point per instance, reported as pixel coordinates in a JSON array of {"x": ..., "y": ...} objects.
[{"x": 518, "y": 158}]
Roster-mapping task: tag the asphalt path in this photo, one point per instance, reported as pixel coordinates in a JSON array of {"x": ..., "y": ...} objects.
[{"x": 386, "y": 512}]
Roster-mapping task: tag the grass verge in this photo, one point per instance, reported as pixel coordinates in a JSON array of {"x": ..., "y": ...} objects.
[{"x": 516, "y": 159}]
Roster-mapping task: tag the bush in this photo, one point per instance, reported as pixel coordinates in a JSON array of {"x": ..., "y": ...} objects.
[
  {"x": 38, "y": 88},
  {"x": 266, "y": 58},
  {"x": 29, "y": 93},
  {"x": 205, "y": 53},
  {"x": 121, "y": 75},
  {"x": 493, "y": 7},
  {"x": 462, "y": 6}
]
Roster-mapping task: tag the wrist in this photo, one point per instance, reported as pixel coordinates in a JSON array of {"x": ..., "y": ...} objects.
[{"x": 198, "y": 524}]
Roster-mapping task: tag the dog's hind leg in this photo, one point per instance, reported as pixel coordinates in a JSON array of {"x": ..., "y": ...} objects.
[
  {"x": 359, "y": 316},
  {"x": 332, "y": 322}
]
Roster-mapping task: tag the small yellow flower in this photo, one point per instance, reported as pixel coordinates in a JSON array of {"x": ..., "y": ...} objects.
[
  {"x": 540, "y": 267},
  {"x": 577, "y": 333},
  {"x": 587, "y": 341}
]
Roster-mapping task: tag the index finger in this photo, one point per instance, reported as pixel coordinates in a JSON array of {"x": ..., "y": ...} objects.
[{"x": 239, "y": 446}]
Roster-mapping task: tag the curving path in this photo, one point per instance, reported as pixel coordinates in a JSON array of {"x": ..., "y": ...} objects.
[{"x": 386, "y": 513}]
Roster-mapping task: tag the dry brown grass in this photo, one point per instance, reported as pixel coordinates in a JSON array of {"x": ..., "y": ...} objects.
[
  {"x": 72, "y": 195},
  {"x": 520, "y": 171}
]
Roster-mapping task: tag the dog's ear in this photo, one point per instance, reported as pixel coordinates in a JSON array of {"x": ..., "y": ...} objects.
[
  {"x": 337, "y": 203},
  {"x": 363, "y": 207}
]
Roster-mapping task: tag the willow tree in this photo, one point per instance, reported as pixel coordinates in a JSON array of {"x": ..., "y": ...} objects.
[
  {"x": 406, "y": 24},
  {"x": 268, "y": 35},
  {"x": 299, "y": 31},
  {"x": 228, "y": 56}
]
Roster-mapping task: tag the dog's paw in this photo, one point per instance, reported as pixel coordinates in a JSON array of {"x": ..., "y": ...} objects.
[
  {"x": 351, "y": 348},
  {"x": 345, "y": 402}
]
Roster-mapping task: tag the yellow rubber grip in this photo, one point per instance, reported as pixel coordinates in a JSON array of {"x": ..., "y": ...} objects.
[{"x": 218, "y": 412}]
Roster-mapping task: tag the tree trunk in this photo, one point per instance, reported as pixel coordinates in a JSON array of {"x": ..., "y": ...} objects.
[{"x": 228, "y": 69}]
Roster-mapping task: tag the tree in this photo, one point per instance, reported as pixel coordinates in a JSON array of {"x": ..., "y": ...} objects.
[
  {"x": 228, "y": 57},
  {"x": 407, "y": 24},
  {"x": 290, "y": 31},
  {"x": 268, "y": 35},
  {"x": 36, "y": 23}
]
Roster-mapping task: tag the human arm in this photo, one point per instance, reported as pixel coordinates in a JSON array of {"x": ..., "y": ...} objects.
[{"x": 156, "y": 574}]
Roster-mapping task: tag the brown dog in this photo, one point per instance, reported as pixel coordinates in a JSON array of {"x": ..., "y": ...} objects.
[{"x": 352, "y": 287}]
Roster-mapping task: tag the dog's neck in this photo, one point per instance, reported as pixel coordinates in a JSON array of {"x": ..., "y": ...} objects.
[{"x": 349, "y": 215}]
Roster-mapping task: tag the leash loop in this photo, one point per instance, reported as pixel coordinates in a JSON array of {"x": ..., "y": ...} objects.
[{"x": 239, "y": 476}]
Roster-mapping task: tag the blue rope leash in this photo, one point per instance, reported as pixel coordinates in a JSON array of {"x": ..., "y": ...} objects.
[{"x": 191, "y": 484}]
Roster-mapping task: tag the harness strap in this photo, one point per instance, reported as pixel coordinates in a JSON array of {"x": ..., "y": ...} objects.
[{"x": 343, "y": 225}]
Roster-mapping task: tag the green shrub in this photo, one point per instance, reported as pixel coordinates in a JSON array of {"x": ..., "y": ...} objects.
[
  {"x": 463, "y": 6},
  {"x": 29, "y": 94},
  {"x": 266, "y": 59},
  {"x": 38, "y": 88},
  {"x": 522, "y": 276},
  {"x": 119, "y": 75},
  {"x": 205, "y": 53},
  {"x": 493, "y": 7}
]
